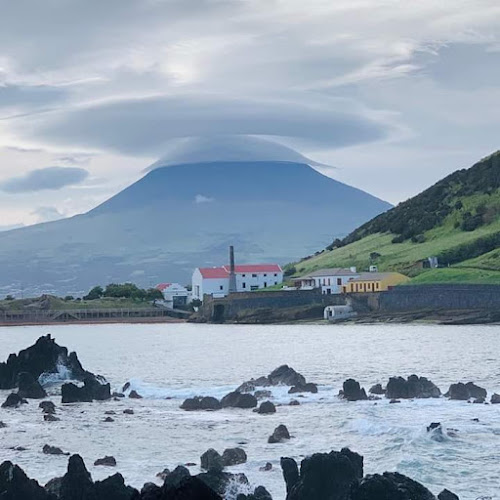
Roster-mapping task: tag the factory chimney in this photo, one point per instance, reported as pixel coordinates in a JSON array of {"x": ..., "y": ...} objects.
[{"x": 232, "y": 272}]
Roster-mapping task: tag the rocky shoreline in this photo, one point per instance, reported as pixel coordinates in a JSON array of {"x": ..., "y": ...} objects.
[{"x": 334, "y": 475}]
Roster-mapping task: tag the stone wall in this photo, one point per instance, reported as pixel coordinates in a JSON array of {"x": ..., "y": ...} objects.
[{"x": 440, "y": 297}]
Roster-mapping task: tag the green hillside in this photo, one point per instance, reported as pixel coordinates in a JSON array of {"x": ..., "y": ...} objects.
[{"x": 456, "y": 220}]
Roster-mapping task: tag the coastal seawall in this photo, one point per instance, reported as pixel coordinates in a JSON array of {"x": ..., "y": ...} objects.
[{"x": 477, "y": 302}]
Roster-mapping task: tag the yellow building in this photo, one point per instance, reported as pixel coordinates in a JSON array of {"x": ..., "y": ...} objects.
[{"x": 374, "y": 282}]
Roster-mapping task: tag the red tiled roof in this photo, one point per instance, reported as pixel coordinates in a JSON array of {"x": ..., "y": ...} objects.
[
  {"x": 163, "y": 286},
  {"x": 223, "y": 272}
]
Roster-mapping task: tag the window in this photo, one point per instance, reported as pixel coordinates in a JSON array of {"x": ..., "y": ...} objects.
[
  {"x": 265, "y": 284},
  {"x": 243, "y": 285},
  {"x": 243, "y": 275},
  {"x": 221, "y": 287},
  {"x": 254, "y": 275},
  {"x": 339, "y": 281},
  {"x": 328, "y": 281},
  {"x": 275, "y": 282},
  {"x": 254, "y": 287},
  {"x": 275, "y": 275},
  {"x": 265, "y": 275}
]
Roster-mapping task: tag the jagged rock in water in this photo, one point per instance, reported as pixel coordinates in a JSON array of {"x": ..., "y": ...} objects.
[
  {"x": 252, "y": 384},
  {"x": 495, "y": 399},
  {"x": 309, "y": 387},
  {"x": 294, "y": 402},
  {"x": 15, "y": 485},
  {"x": 114, "y": 488},
  {"x": 377, "y": 389},
  {"x": 267, "y": 467},
  {"x": 266, "y": 408},
  {"x": 151, "y": 492},
  {"x": 466, "y": 391},
  {"x": 201, "y": 403},
  {"x": 29, "y": 387},
  {"x": 191, "y": 488},
  {"x": 49, "y": 417},
  {"x": 128, "y": 411},
  {"x": 220, "y": 481},
  {"x": 45, "y": 356},
  {"x": 413, "y": 387},
  {"x": 211, "y": 461},
  {"x": 285, "y": 375},
  {"x": 163, "y": 474},
  {"x": 239, "y": 400},
  {"x": 77, "y": 483},
  {"x": 279, "y": 435},
  {"x": 352, "y": 391},
  {"x": 436, "y": 430},
  {"x": 390, "y": 486},
  {"x": 260, "y": 493},
  {"x": 447, "y": 495},
  {"x": 234, "y": 456},
  {"x": 175, "y": 478},
  {"x": 263, "y": 394},
  {"x": 92, "y": 390},
  {"x": 328, "y": 476},
  {"x": 134, "y": 395},
  {"x": 13, "y": 401},
  {"x": 53, "y": 450},
  {"x": 47, "y": 407},
  {"x": 290, "y": 472},
  {"x": 107, "y": 460},
  {"x": 2, "y": 425}
]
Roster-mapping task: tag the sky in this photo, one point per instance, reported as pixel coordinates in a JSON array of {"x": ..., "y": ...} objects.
[{"x": 386, "y": 95}]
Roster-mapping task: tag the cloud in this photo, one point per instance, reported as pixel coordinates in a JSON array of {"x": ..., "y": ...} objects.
[
  {"x": 44, "y": 178},
  {"x": 47, "y": 214},
  {"x": 199, "y": 198},
  {"x": 145, "y": 126}
]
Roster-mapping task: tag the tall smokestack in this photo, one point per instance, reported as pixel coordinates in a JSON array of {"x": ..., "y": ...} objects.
[{"x": 232, "y": 273}]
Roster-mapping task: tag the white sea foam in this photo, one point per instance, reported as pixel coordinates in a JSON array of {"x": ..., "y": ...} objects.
[{"x": 63, "y": 374}]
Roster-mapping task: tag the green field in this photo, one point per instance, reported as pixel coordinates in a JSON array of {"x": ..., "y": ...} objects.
[{"x": 457, "y": 275}]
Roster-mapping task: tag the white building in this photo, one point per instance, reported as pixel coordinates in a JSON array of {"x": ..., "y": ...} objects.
[
  {"x": 249, "y": 277},
  {"x": 329, "y": 280},
  {"x": 174, "y": 294}
]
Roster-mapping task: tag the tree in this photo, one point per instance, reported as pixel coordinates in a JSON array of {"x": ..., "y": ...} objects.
[
  {"x": 96, "y": 293},
  {"x": 154, "y": 294},
  {"x": 9, "y": 297},
  {"x": 69, "y": 298}
]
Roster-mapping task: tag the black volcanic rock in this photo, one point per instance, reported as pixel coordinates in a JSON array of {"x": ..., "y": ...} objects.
[
  {"x": 390, "y": 486},
  {"x": 15, "y": 485},
  {"x": 290, "y": 472},
  {"x": 77, "y": 483},
  {"x": 211, "y": 461},
  {"x": 266, "y": 408},
  {"x": 352, "y": 391},
  {"x": 53, "y": 450},
  {"x": 92, "y": 390},
  {"x": 285, "y": 375},
  {"x": 327, "y": 476},
  {"x": 309, "y": 387},
  {"x": 413, "y": 387},
  {"x": 29, "y": 387},
  {"x": 107, "y": 460},
  {"x": 13, "y": 401},
  {"x": 201, "y": 403},
  {"x": 239, "y": 400},
  {"x": 377, "y": 389},
  {"x": 279, "y": 435},
  {"x": 45, "y": 356},
  {"x": 234, "y": 456},
  {"x": 191, "y": 488},
  {"x": 447, "y": 495},
  {"x": 47, "y": 407},
  {"x": 466, "y": 391},
  {"x": 114, "y": 488}
]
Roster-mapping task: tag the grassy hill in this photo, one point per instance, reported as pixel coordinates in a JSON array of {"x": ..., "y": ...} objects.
[{"x": 456, "y": 220}]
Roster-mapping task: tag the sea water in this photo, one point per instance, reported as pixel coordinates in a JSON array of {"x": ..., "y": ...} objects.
[{"x": 167, "y": 363}]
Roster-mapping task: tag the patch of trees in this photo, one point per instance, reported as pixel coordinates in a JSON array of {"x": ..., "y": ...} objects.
[
  {"x": 124, "y": 291},
  {"x": 470, "y": 250},
  {"x": 412, "y": 218}
]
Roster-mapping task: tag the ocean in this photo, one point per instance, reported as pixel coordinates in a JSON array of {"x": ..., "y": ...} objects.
[{"x": 167, "y": 363}]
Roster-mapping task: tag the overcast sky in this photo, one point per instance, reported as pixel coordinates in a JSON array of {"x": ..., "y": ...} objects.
[{"x": 394, "y": 94}]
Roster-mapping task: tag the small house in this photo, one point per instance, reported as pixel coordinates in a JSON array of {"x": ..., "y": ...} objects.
[
  {"x": 331, "y": 281},
  {"x": 374, "y": 282},
  {"x": 174, "y": 294}
]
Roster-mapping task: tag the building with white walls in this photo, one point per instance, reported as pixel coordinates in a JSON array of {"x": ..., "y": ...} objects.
[
  {"x": 329, "y": 280},
  {"x": 174, "y": 294},
  {"x": 215, "y": 281}
]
